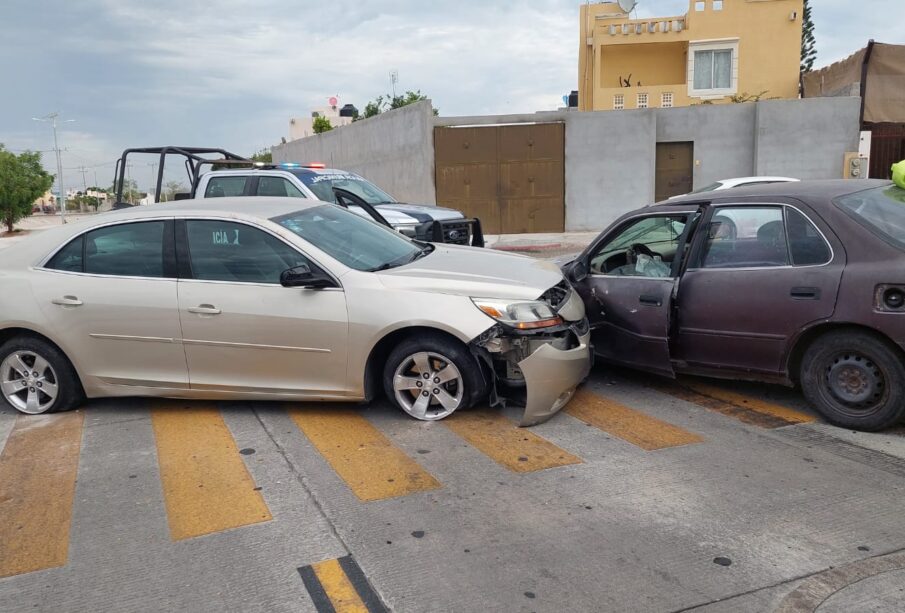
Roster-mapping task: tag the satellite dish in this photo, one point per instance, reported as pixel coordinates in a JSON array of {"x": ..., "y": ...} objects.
[{"x": 627, "y": 5}]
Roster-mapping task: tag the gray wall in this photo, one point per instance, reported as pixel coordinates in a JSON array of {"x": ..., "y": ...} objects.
[
  {"x": 395, "y": 150},
  {"x": 610, "y": 155}
]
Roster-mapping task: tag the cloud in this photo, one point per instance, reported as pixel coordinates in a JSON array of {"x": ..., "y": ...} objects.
[{"x": 232, "y": 73}]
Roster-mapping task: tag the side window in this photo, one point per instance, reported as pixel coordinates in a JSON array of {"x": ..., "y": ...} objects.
[
  {"x": 278, "y": 186},
  {"x": 228, "y": 251},
  {"x": 807, "y": 246},
  {"x": 69, "y": 258},
  {"x": 221, "y": 187},
  {"x": 644, "y": 248},
  {"x": 745, "y": 237},
  {"x": 129, "y": 250}
]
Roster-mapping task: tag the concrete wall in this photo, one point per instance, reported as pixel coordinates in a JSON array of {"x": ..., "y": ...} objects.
[
  {"x": 610, "y": 156},
  {"x": 395, "y": 150}
]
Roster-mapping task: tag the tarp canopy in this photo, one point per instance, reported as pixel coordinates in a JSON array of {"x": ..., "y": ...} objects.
[{"x": 885, "y": 95}]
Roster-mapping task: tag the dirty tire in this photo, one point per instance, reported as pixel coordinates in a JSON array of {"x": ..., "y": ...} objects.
[
  {"x": 439, "y": 349},
  {"x": 855, "y": 379},
  {"x": 68, "y": 387}
]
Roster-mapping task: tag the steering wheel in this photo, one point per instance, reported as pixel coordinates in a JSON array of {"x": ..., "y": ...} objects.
[{"x": 631, "y": 254}]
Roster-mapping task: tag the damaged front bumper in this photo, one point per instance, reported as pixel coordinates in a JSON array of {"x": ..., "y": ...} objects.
[{"x": 538, "y": 370}]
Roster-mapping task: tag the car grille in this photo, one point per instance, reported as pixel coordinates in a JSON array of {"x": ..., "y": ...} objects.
[{"x": 456, "y": 233}]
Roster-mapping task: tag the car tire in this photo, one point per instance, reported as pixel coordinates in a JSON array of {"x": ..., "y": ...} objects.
[
  {"x": 855, "y": 379},
  {"x": 54, "y": 372},
  {"x": 430, "y": 376}
]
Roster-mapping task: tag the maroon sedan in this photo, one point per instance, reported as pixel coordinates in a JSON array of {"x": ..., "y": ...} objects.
[{"x": 796, "y": 283}]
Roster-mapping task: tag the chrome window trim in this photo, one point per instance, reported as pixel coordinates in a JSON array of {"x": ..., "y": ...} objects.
[
  {"x": 266, "y": 230},
  {"x": 785, "y": 267},
  {"x": 42, "y": 264}
]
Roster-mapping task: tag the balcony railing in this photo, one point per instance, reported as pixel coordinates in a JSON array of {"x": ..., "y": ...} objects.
[{"x": 647, "y": 26}]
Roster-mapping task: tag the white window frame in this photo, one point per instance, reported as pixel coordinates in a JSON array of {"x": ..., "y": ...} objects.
[
  {"x": 667, "y": 100},
  {"x": 643, "y": 101},
  {"x": 725, "y": 44},
  {"x": 618, "y": 102}
]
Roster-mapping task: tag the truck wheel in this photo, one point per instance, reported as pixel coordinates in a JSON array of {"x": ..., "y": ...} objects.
[
  {"x": 855, "y": 380},
  {"x": 35, "y": 377},
  {"x": 430, "y": 377}
]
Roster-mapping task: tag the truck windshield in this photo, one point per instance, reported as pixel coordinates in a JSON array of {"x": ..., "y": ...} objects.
[
  {"x": 351, "y": 239},
  {"x": 881, "y": 210},
  {"x": 322, "y": 185}
]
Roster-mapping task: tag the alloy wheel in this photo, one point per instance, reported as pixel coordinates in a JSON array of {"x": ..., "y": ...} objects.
[
  {"x": 428, "y": 386},
  {"x": 28, "y": 382}
]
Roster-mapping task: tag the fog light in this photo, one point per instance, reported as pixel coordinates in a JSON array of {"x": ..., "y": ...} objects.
[{"x": 894, "y": 298}]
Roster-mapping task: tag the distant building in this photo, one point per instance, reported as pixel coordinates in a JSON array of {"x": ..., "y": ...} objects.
[
  {"x": 876, "y": 74},
  {"x": 718, "y": 49},
  {"x": 300, "y": 127}
]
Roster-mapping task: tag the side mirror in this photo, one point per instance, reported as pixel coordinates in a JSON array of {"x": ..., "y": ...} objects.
[
  {"x": 577, "y": 270},
  {"x": 303, "y": 276}
]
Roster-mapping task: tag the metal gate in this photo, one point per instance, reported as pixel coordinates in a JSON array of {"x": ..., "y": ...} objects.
[
  {"x": 511, "y": 177},
  {"x": 887, "y": 146},
  {"x": 674, "y": 170}
]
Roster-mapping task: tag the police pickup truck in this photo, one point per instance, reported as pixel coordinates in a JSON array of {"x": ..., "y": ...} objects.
[{"x": 233, "y": 175}]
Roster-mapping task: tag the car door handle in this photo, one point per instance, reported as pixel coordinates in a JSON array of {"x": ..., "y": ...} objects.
[
  {"x": 67, "y": 301},
  {"x": 650, "y": 300},
  {"x": 204, "y": 309},
  {"x": 805, "y": 293}
]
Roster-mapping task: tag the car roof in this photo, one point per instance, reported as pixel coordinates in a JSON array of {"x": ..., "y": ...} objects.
[
  {"x": 812, "y": 191},
  {"x": 753, "y": 179}
]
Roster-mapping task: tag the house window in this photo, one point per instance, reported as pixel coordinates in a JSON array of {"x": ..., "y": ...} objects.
[
  {"x": 642, "y": 101},
  {"x": 699, "y": 6},
  {"x": 618, "y": 102},
  {"x": 718, "y": 5},
  {"x": 666, "y": 100},
  {"x": 713, "y": 69}
]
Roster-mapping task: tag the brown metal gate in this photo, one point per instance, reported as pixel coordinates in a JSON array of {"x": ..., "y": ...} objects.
[
  {"x": 887, "y": 146},
  {"x": 511, "y": 177},
  {"x": 673, "y": 172}
]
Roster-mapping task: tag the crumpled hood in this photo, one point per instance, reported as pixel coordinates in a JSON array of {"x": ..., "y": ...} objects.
[
  {"x": 422, "y": 212},
  {"x": 480, "y": 273}
]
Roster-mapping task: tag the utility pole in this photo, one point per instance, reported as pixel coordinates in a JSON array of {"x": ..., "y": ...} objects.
[
  {"x": 52, "y": 118},
  {"x": 394, "y": 77},
  {"x": 83, "y": 170}
]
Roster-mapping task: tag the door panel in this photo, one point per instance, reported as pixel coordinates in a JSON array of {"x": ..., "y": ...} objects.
[
  {"x": 265, "y": 338},
  {"x": 125, "y": 331},
  {"x": 632, "y": 320}
]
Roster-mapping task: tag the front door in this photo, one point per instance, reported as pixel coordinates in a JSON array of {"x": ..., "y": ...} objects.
[
  {"x": 628, "y": 292},
  {"x": 242, "y": 330},
  {"x": 758, "y": 276}
]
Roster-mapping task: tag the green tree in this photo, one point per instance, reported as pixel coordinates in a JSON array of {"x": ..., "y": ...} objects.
[
  {"x": 808, "y": 41},
  {"x": 388, "y": 102},
  {"x": 22, "y": 181},
  {"x": 130, "y": 191},
  {"x": 321, "y": 125},
  {"x": 264, "y": 156}
]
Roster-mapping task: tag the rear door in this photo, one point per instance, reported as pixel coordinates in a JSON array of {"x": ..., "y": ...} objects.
[
  {"x": 632, "y": 273},
  {"x": 760, "y": 273}
]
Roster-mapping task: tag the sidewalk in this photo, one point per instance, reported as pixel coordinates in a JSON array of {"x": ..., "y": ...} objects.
[{"x": 547, "y": 245}]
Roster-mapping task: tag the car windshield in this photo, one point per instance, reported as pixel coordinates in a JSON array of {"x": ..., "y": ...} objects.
[
  {"x": 322, "y": 185},
  {"x": 353, "y": 240},
  {"x": 708, "y": 188},
  {"x": 881, "y": 210}
]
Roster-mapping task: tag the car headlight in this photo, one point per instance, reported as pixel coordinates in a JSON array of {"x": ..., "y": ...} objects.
[
  {"x": 520, "y": 314},
  {"x": 408, "y": 229}
]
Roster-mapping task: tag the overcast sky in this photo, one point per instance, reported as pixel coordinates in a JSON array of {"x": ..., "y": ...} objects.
[{"x": 230, "y": 73}]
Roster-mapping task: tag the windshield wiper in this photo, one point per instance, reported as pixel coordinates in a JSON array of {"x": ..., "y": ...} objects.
[{"x": 428, "y": 248}]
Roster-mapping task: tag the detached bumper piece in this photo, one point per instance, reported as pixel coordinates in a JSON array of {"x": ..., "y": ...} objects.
[{"x": 538, "y": 371}]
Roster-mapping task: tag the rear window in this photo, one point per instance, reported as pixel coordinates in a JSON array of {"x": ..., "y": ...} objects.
[
  {"x": 223, "y": 187},
  {"x": 881, "y": 210}
]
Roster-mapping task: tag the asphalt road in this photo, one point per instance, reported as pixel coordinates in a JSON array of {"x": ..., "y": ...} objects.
[{"x": 645, "y": 495}]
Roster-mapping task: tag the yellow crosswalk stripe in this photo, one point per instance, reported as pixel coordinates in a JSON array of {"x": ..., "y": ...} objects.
[
  {"x": 38, "y": 469},
  {"x": 789, "y": 416},
  {"x": 206, "y": 486},
  {"x": 517, "y": 449},
  {"x": 644, "y": 431},
  {"x": 338, "y": 588},
  {"x": 372, "y": 467}
]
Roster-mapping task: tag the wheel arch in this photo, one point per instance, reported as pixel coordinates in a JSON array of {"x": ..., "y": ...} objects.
[
  {"x": 806, "y": 338},
  {"x": 381, "y": 351},
  {"x": 11, "y": 332}
]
